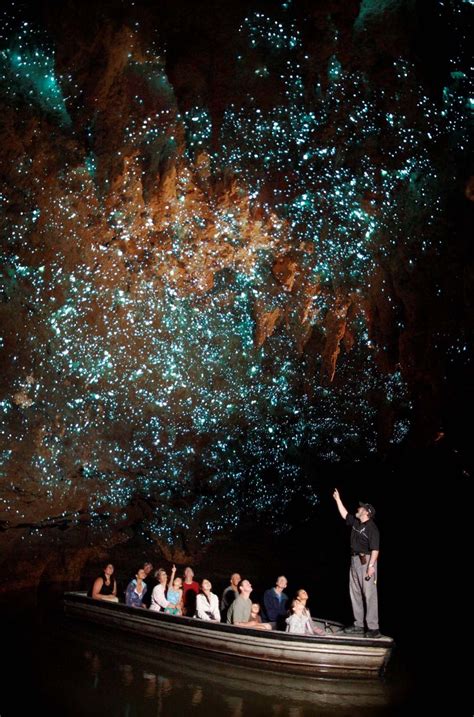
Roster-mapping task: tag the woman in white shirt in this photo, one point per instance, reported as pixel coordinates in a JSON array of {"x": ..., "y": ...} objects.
[
  {"x": 158, "y": 596},
  {"x": 207, "y": 604}
]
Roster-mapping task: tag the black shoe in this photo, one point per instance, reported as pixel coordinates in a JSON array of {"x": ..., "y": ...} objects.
[
  {"x": 373, "y": 633},
  {"x": 354, "y": 630}
]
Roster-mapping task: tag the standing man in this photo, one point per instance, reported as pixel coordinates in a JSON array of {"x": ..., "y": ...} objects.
[{"x": 365, "y": 542}]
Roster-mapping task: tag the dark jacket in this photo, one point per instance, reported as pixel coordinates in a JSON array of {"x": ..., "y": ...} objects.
[{"x": 274, "y": 608}]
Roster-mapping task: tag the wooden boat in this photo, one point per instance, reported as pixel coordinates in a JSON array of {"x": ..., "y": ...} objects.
[{"x": 333, "y": 655}]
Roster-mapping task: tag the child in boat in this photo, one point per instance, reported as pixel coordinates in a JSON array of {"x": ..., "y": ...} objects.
[
  {"x": 174, "y": 594},
  {"x": 255, "y": 612}
]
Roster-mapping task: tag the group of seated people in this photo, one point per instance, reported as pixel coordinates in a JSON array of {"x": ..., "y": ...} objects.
[{"x": 185, "y": 596}]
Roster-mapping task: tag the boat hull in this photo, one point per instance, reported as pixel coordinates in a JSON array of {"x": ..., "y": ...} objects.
[{"x": 333, "y": 656}]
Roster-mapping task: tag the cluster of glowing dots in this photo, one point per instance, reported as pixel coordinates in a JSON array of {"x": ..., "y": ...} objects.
[{"x": 164, "y": 394}]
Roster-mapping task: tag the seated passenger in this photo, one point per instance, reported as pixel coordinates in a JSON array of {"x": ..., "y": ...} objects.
[
  {"x": 105, "y": 586},
  {"x": 298, "y": 623},
  {"x": 158, "y": 597},
  {"x": 275, "y": 603},
  {"x": 240, "y": 610},
  {"x": 229, "y": 595},
  {"x": 302, "y": 597},
  {"x": 255, "y": 612},
  {"x": 174, "y": 594},
  {"x": 136, "y": 590},
  {"x": 207, "y": 604},
  {"x": 190, "y": 590},
  {"x": 150, "y": 582}
]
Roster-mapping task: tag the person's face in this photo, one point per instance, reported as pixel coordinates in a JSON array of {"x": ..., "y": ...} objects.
[
  {"x": 302, "y": 595},
  {"x": 148, "y": 567},
  {"x": 361, "y": 513},
  {"x": 206, "y": 586},
  {"x": 141, "y": 575},
  {"x": 282, "y": 582},
  {"x": 255, "y": 608},
  {"x": 235, "y": 579},
  {"x": 246, "y": 587},
  {"x": 162, "y": 577},
  {"x": 177, "y": 583},
  {"x": 109, "y": 569},
  {"x": 188, "y": 574}
]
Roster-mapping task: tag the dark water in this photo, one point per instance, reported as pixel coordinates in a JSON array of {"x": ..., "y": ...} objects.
[{"x": 65, "y": 667}]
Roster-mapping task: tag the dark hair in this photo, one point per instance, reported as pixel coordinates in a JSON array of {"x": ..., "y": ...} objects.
[
  {"x": 112, "y": 579},
  {"x": 113, "y": 582}
]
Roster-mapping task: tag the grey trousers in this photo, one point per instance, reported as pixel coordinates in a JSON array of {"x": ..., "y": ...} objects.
[{"x": 363, "y": 594}]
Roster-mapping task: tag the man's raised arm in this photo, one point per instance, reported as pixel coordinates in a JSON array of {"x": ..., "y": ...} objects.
[{"x": 340, "y": 505}]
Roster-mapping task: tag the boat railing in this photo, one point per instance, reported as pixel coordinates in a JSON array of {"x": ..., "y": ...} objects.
[{"x": 331, "y": 627}]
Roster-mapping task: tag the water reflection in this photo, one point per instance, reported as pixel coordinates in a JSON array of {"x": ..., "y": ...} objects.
[{"x": 101, "y": 673}]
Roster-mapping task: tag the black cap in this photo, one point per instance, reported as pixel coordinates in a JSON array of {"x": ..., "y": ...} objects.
[{"x": 369, "y": 508}]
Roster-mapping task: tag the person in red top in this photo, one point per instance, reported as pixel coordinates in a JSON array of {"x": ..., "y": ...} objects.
[{"x": 190, "y": 591}]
